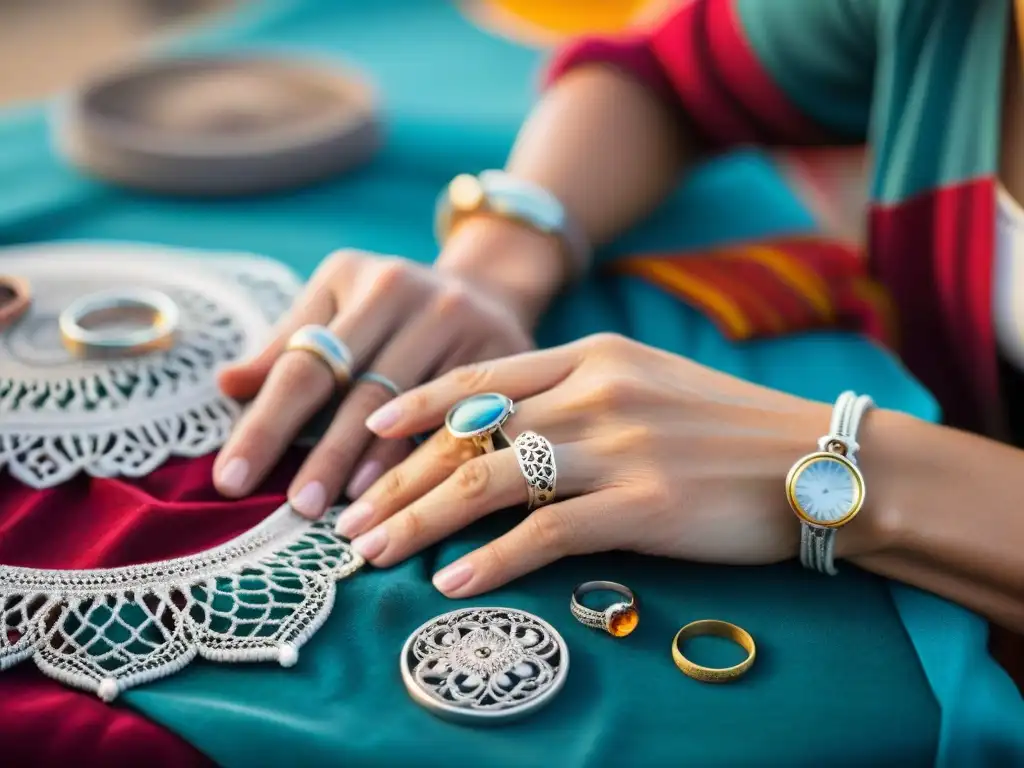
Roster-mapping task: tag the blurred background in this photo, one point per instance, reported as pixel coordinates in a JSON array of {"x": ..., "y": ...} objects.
[{"x": 48, "y": 45}]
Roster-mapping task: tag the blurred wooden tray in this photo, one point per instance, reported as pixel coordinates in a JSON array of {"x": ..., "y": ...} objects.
[{"x": 219, "y": 126}]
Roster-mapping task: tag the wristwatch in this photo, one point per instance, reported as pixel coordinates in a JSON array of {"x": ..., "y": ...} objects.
[
  {"x": 497, "y": 193},
  {"x": 825, "y": 488}
]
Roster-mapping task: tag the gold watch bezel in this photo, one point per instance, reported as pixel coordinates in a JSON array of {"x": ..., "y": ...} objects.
[{"x": 813, "y": 458}]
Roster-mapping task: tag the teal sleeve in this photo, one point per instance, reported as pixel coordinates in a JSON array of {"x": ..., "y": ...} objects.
[
  {"x": 767, "y": 72},
  {"x": 821, "y": 54}
]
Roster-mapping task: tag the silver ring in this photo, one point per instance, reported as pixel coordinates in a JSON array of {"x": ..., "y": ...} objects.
[
  {"x": 380, "y": 379},
  {"x": 481, "y": 418},
  {"x": 320, "y": 341},
  {"x": 162, "y": 318},
  {"x": 536, "y": 459},
  {"x": 618, "y": 619}
]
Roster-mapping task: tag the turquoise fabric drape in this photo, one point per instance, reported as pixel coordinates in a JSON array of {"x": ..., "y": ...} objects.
[{"x": 850, "y": 670}]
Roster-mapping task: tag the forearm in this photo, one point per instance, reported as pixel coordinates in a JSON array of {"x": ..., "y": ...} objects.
[
  {"x": 943, "y": 513},
  {"x": 608, "y": 148}
]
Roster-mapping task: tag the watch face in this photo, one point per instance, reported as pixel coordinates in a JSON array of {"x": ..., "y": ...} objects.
[{"x": 825, "y": 489}]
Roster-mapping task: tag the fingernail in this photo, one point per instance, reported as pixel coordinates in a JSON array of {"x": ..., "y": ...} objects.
[
  {"x": 311, "y": 500},
  {"x": 352, "y": 520},
  {"x": 456, "y": 575},
  {"x": 371, "y": 544},
  {"x": 363, "y": 478},
  {"x": 232, "y": 478},
  {"x": 385, "y": 416}
]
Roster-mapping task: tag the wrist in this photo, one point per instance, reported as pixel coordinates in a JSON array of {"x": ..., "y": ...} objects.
[
  {"x": 887, "y": 439},
  {"x": 519, "y": 266}
]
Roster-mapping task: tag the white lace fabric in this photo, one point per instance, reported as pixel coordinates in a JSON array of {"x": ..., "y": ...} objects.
[
  {"x": 60, "y": 416},
  {"x": 258, "y": 597}
]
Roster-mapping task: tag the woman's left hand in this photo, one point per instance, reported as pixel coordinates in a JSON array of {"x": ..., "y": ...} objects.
[{"x": 654, "y": 454}]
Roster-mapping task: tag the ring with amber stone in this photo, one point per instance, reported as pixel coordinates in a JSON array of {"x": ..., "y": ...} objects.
[{"x": 618, "y": 619}]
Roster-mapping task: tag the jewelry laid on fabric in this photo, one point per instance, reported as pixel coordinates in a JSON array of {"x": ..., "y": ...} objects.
[
  {"x": 825, "y": 488},
  {"x": 61, "y": 415},
  {"x": 618, "y": 619},
  {"x": 258, "y": 597},
  {"x": 480, "y": 418},
  {"x": 537, "y": 462},
  {"x": 84, "y": 331},
  {"x": 714, "y": 628},
  {"x": 484, "y": 665},
  {"x": 15, "y": 298},
  {"x": 321, "y": 342},
  {"x": 496, "y": 193},
  {"x": 382, "y": 381}
]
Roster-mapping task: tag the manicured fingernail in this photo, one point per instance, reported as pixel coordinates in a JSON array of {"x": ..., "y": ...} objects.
[
  {"x": 371, "y": 544},
  {"x": 363, "y": 478},
  {"x": 310, "y": 500},
  {"x": 456, "y": 575},
  {"x": 385, "y": 416},
  {"x": 232, "y": 478},
  {"x": 352, "y": 520}
]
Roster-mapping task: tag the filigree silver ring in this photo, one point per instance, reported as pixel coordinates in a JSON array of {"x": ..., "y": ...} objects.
[{"x": 536, "y": 458}]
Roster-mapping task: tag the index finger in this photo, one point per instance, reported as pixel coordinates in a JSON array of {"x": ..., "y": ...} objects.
[{"x": 517, "y": 377}]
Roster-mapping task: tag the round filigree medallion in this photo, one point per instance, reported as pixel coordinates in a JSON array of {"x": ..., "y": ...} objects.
[
  {"x": 60, "y": 416},
  {"x": 484, "y": 664}
]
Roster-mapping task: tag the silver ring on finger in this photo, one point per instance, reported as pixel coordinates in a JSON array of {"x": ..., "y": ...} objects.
[
  {"x": 536, "y": 458},
  {"x": 320, "y": 341},
  {"x": 481, "y": 418},
  {"x": 382, "y": 381}
]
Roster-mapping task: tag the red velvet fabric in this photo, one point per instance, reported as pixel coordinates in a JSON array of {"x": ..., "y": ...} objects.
[{"x": 89, "y": 523}]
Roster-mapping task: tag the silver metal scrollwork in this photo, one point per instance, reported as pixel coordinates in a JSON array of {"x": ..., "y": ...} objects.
[{"x": 484, "y": 664}]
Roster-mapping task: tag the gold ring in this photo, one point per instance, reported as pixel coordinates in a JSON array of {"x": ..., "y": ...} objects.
[
  {"x": 480, "y": 419},
  {"x": 618, "y": 619},
  {"x": 82, "y": 323},
  {"x": 320, "y": 341},
  {"x": 15, "y": 297},
  {"x": 714, "y": 628}
]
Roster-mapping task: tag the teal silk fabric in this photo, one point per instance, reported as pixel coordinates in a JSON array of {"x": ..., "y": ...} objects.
[{"x": 850, "y": 670}]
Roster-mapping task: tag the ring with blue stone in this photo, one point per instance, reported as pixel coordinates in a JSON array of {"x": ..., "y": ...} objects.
[
  {"x": 480, "y": 418},
  {"x": 320, "y": 341}
]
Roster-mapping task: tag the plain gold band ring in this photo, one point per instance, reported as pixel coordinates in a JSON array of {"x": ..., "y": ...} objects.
[{"x": 714, "y": 628}]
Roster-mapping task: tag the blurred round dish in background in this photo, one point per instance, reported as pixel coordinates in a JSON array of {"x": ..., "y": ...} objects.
[{"x": 219, "y": 126}]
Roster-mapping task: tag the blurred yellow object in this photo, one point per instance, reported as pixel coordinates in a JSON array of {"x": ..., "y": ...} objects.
[{"x": 551, "y": 21}]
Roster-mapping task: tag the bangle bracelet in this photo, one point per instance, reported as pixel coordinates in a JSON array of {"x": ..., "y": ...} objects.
[{"x": 496, "y": 193}]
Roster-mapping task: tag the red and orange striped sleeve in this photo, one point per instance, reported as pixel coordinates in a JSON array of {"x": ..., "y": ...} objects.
[{"x": 764, "y": 72}]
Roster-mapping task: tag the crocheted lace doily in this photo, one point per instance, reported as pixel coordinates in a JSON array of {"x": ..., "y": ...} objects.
[
  {"x": 258, "y": 597},
  {"x": 60, "y": 416}
]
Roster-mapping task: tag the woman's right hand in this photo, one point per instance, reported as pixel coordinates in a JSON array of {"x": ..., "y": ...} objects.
[{"x": 401, "y": 320}]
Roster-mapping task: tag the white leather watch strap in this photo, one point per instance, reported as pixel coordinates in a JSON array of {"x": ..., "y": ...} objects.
[{"x": 817, "y": 544}]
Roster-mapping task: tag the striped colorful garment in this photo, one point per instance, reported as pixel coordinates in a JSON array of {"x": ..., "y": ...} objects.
[{"x": 920, "y": 81}]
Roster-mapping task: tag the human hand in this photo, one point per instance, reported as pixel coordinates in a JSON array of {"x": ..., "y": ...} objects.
[
  {"x": 402, "y": 321},
  {"x": 654, "y": 453}
]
